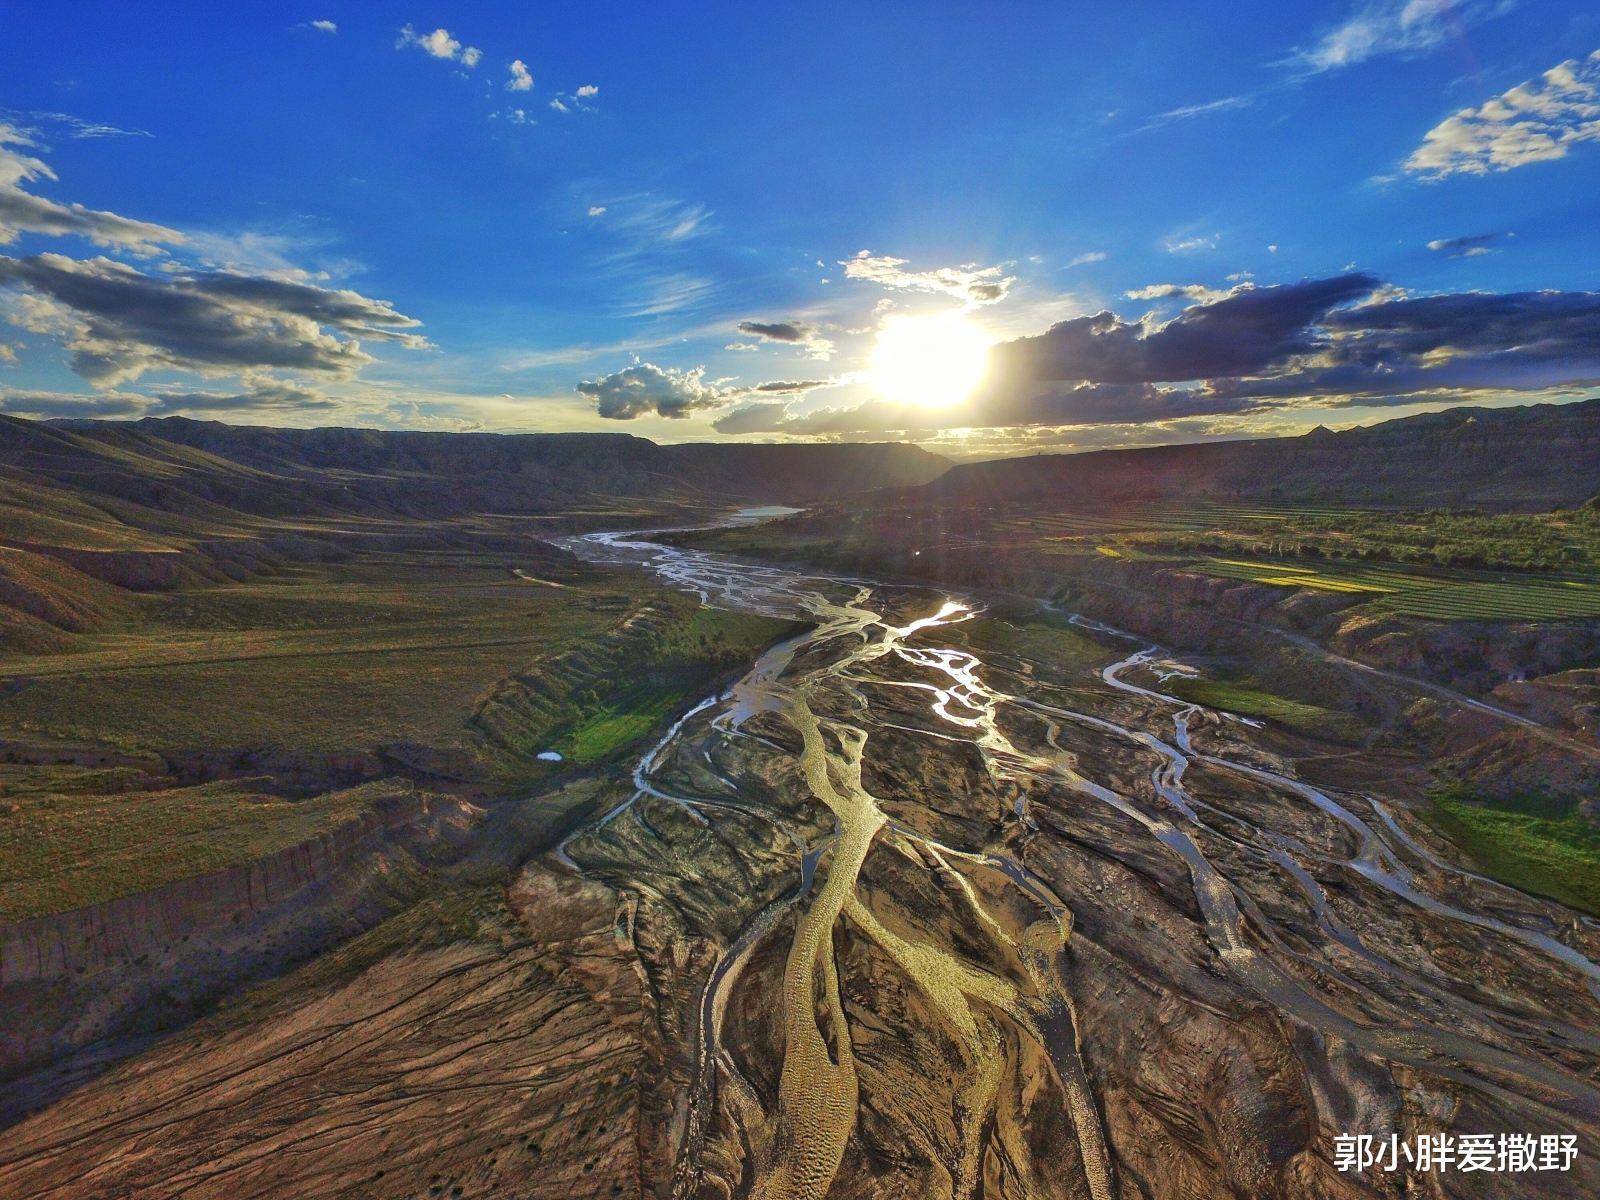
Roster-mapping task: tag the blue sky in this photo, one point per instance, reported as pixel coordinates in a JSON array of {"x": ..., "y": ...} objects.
[{"x": 356, "y": 214}]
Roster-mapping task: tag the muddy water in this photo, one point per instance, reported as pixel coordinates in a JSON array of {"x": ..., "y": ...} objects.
[{"x": 893, "y": 847}]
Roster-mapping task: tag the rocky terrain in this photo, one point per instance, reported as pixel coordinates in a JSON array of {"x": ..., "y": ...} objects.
[{"x": 937, "y": 900}]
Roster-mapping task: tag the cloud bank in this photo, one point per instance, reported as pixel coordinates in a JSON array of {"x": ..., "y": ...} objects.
[
  {"x": 1342, "y": 340},
  {"x": 120, "y": 323}
]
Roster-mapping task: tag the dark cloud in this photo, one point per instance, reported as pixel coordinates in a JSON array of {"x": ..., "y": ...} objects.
[
  {"x": 120, "y": 323},
  {"x": 48, "y": 405},
  {"x": 769, "y": 417},
  {"x": 1341, "y": 341},
  {"x": 1470, "y": 246},
  {"x": 1244, "y": 333},
  {"x": 1536, "y": 326},
  {"x": 792, "y": 333},
  {"x": 22, "y": 212},
  {"x": 791, "y": 385},
  {"x": 269, "y": 398},
  {"x": 1056, "y": 405},
  {"x": 1452, "y": 345},
  {"x": 778, "y": 331},
  {"x": 264, "y": 400}
]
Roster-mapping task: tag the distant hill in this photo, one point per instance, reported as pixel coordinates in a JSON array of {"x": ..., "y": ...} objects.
[
  {"x": 93, "y": 510},
  {"x": 439, "y": 474},
  {"x": 1536, "y": 457}
]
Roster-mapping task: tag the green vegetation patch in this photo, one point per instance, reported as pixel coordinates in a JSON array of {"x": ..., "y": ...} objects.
[
  {"x": 600, "y": 699},
  {"x": 1249, "y": 700},
  {"x": 1543, "y": 847},
  {"x": 1043, "y": 639},
  {"x": 1549, "y": 541}
]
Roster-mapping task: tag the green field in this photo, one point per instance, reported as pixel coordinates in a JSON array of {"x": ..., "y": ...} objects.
[{"x": 1550, "y": 850}]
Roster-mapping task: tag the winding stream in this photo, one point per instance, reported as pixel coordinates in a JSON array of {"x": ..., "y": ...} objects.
[{"x": 1316, "y": 913}]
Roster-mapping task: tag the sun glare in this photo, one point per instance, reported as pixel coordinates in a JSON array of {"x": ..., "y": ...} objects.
[{"x": 934, "y": 361}]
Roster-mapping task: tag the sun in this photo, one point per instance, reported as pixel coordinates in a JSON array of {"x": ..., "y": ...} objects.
[{"x": 934, "y": 361}]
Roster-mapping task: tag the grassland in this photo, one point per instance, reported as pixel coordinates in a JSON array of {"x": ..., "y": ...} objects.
[
  {"x": 1249, "y": 699},
  {"x": 1434, "y": 565},
  {"x": 1548, "y": 849},
  {"x": 214, "y": 724},
  {"x": 598, "y": 701},
  {"x": 61, "y": 848}
]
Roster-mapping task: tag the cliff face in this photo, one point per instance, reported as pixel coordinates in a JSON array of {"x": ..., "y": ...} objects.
[
  {"x": 507, "y": 1058},
  {"x": 144, "y": 961}
]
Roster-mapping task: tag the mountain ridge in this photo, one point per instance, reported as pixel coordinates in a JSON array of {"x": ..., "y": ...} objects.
[{"x": 1525, "y": 457}]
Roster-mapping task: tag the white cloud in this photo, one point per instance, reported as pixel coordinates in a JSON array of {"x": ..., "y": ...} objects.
[
  {"x": 575, "y": 101},
  {"x": 328, "y": 27},
  {"x": 1383, "y": 28},
  {"x": 1473, "y": 245},
  {"x": 1092, "y": 256},
  {"x": 645, "y": 388},
  {"x": 969, "y": 283},
  {"x": 1189, "y": 111},
  {"x": 1177, "y": 291},
  {"x": 439, "y": 44},
  {"x": 76, "y": 127},
  {"x": 651, "y": 220},
  {"x": 1188, "y": 245},
  {"x": 23, "y": 212},
  {"x": 597, "y": 210},
  {"x": 521, "y": 78},
  {"x": 1534, "y": 122}
]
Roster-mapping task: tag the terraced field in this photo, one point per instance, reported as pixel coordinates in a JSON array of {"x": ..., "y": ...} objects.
[
  {"x": 1440, "y": 595},
  {"x": 1363, "y": 552}
]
